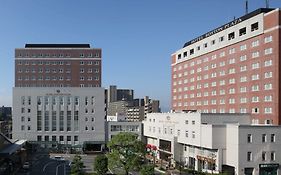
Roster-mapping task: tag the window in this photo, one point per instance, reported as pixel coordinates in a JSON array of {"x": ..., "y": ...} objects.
[
  {"x": 193, "y": 134},
  {"x": 243, "y": 110},
  {"x": 232, "y": 81},
  {"x": 186, "y": 122},
  {"x": 231, "y": 91},
  {"x": 249, "y": 138},
  {"x": 242, "y": 31},
  {"x": 255, "y": 88},
  {"x": 267, "y": 63},
  {"x": 272, "y": 138},
  {"x": 39, "y": 138},
  {"x": 191, "y": 52},
  {"x": 268, "y": 86},
  {"x": 255, "y": 43},
  {"x": 268, "y": 51},
  {"x": 184, "y": 54},
  {"x": 243, "y": 58},
  {"x": 231, "y": 36},
  {"x": 268, "y": 110},
  {"x": 272, "y": 156},
  {"x": 243, "y": 100},
  {"x": 222, "y": 73},
  {"x": 222, "y": 82},
  {"x": 231, "y": 101},
  {"x": 46, "y": 138},
  {"x": 255, "y": 99},
  {"x": 231, "y": 71},
  {"x": 222, "y": 101},
  {"x": 186, "y": 133},
  {"x": 213, "y": 42},
  {"x": 231, "y": 110},
  {"x": 243, "y": 68},
  {"x": 254, "y": 26},
  {"x": 268, "y": 39},
  {"x": 263, "y": 138},
  {"x": 193, "y": 122},
  {"x": 255, "y": 110},
  {"x": 232, "y": 61},
  {"x": 255, "y": 65},
  {"x": 255, "y": 54},
  {"x": 267, "y": 74},
  {"x": 268, "y": 98},
  {"x": 221, "y": 38},
  {"x": 255, "y": 77},
  {"x": 231, "y": 51},
  {"x": 249, "y": 156},
  {"x": 243, "y": 79},
  {"x": 222, "y": 54},
  {"x": 263, "y": 156},
  {"x": 213, "y": 101},
  {"x": 205, "y": 45}
]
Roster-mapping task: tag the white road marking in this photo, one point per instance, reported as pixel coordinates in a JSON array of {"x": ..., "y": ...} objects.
[
  {"x": 57, "y": 168},
  {"x": 44, "y": 168}
]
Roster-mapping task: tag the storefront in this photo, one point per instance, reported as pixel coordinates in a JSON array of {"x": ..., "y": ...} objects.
[{"x": 269, "y": 169}]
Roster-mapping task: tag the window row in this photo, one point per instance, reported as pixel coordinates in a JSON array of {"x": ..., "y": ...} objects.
[
  {"x": 253, "y": 88},
  {"x": 243, "y": 100},
  {"x": 264, "y": 156},
  {"x": 221, "y": 82},
  {"x": 53, "y": 70},
  {"x": 264, "y": 138},
  {"x": 27, "y": 62},
  {"x": 243, "y": 68},
  {"x": 57, "y": 138},
  {"x": 55, "y": 55},
  {"x": 54, "y": 78}
]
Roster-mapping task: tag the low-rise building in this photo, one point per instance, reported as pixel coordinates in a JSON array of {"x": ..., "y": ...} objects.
[
  {"x": 215, "y": 142},
  {"x": 67, "y": 117},
  {"x": 119, "y": 123}
]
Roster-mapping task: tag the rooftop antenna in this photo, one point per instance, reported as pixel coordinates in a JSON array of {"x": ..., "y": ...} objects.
[
  {"x": 267, "y": 3},
  {"x": 246, "y": 6}
]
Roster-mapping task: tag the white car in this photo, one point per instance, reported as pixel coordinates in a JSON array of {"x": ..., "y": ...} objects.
[
  {"x": 59, "y": 158},
  {"x": 26, "y": 165}
]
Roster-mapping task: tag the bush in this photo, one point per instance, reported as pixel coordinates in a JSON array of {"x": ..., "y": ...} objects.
[{"x": 147, "y": 170}]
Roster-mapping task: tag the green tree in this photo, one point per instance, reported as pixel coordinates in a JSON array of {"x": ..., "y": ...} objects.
[
  {"x": 126, "y": 151},
  {"x": 77, "y": 167},
  {"x": 100, "y": 164},
  {"x": 147, "y": 170}
]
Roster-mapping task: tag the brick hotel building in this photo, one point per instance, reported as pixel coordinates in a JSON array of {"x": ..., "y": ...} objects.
[
  {"x": 232, "y": 69},
  {"x": 57, "y": 99},
  {"x": 57, "y": 65}
]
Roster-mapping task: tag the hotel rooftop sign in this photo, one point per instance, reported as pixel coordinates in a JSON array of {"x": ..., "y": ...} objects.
[{"x": 230, "y": 24}]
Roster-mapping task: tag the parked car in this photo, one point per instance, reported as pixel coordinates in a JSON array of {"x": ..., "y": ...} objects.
[{"x": 26, "y": 165}]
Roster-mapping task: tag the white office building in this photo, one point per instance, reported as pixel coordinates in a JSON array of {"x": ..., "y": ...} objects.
[
  {"x": 215, "y": 142},
  {"x": 71, "y": 116}
]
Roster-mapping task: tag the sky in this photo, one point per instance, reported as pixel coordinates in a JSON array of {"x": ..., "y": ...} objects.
[{"x": 137, "y": 37}]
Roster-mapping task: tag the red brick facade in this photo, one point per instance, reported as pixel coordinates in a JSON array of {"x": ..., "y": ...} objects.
[
  {"x": 58, "y": 67},
  {"x": 237, "y": 81}
]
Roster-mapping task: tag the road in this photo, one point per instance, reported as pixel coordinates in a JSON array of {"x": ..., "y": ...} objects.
[
  {"x": 47, "y": 166},
  {"x": 87, "y": 159}
]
